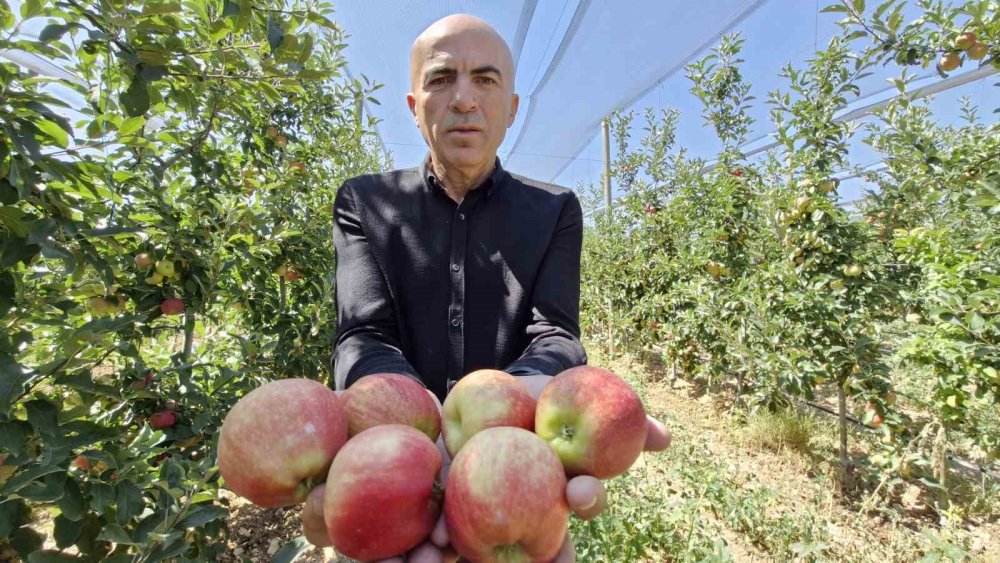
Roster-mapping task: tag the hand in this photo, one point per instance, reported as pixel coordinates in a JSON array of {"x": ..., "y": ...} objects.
[{"x": 586, "y": 496}]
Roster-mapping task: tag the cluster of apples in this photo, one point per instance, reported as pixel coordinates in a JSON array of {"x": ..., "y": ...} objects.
[
  {"x": 375, "y": 448},
  {"x": 968, "y": 42}
]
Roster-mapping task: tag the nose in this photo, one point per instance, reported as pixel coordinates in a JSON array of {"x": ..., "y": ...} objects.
[{"x": 464, "y": 98}]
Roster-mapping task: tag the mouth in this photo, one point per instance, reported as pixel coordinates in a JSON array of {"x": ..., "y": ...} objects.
[{"x": 465, "y": 131}]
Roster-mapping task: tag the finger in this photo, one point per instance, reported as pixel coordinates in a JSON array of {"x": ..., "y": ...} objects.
[
  {"x": 313, "y": 525},
  {"x": 440, "y": 534},
  {"x": 448, "y": 555},
  {"x": 657, "y": 436},
  {"x": 426, "y": 553},
  {"x": 587, "y": 496},
  {"x": 566, "y": 554}
]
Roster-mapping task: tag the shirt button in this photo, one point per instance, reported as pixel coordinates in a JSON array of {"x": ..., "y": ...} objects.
[
  {"x": 461, "y": 216},
  {"x": 455, "y": 267},
  {"x": 455, "y": 322}
]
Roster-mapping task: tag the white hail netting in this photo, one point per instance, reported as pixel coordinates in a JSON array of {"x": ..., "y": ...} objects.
[{"x": 579, "y": 60}]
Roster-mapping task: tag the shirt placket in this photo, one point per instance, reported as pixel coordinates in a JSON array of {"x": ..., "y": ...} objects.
[{"x": 456, "y": 309}]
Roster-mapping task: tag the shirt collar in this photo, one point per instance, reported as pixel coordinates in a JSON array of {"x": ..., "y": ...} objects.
[{"x": 490, "y": 184}]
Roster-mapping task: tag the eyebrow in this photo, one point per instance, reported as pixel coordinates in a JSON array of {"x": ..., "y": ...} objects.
[{"x": 448, "y": 71}]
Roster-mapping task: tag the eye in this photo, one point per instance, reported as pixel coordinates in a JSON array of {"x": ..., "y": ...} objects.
[{"x": 488, "y": 79}]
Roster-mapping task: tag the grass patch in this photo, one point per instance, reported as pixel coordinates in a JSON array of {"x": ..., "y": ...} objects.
[{"x": 779, "y": 431}]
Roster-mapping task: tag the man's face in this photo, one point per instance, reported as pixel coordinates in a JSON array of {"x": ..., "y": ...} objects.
[{"x": 463, "y": 96}]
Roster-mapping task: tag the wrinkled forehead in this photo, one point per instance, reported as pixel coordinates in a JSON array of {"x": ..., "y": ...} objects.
[{"x": 462, "y": 51}]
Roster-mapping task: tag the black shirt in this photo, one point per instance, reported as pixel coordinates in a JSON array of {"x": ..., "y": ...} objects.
[{"x": 435, "y": 289}]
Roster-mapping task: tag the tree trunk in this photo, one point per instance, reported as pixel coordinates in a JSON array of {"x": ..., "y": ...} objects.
[{"x": 845, "y": 462}]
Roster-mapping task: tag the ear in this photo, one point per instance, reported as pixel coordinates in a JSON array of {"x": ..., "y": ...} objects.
[
  {"x": 514, "y": 103},
  {"x": 411, "y": 101}
]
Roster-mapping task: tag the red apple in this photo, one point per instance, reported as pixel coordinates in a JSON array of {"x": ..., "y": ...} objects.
[
  {"x": 381, "y": 494},
  {"x": 978, "y": 51},
  {"x": 593, "y": 420},
  {"x": 390, "y": 398},
  {"x": 163, "y": 419},
  {"x": 965, "y": 40},
  {"x": 279, "y": 440},
  {"x": 172, "y": 306},
  {"x": 81, "y": 463},
  {"x": 506, "y": 498},
  {"x": 483, "y": 399},
  {"x": 143, "y": 261},
  {"x": 949, "y": 62}
]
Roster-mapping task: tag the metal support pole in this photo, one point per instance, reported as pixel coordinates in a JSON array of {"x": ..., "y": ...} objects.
[{"x": 606, "y": 130}]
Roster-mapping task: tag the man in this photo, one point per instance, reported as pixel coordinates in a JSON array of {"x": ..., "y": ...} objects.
[{"x": 457, "y": 265}]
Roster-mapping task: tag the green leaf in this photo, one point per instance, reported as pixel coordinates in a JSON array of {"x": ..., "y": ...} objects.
[
  {"x": 275, "y": 33},
  {"x": 291, "y": 550},
  {"x": 27, "y": 540},
  {"x": 66, "y": 531},
  {"x": 12, "y": 514},
  {"x": 43, "y": 415},
  {"x": 72, "y": 503},
  {"x": 199, "y": 516},
  {"x": 131, "y": 125},
  {"x": 230, "y": 8},
  {"x": 55, "y": 31},
  {"x": 32, "y": 8},
  {"x": 159, "y": 8},
  {"x": 26, "y": 477},
  {"x": 102, "y": 496},
  {"x": 11, "y": 217},
  {"x": 54, "y": 131},
  {"x": 129, "y": 501},
  {"x": 117, "y": 534},
  {"x": 135, "y": 100},
  {"x": 8, "y": 287}
]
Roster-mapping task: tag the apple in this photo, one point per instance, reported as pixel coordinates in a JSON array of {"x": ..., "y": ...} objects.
[
  {"x": 737, "y": 172},
  {"x": 805, "y": 183},
  {"x": 98, "y": 305},
  {"x": 804, "y": 204},
  {"x": 965, "y": 40},
  {"x": 165, "y": 268},
  {"x": 483, "y": 399},
  {"x": 827, "y": 186},
  {"x": 382, "y": 496},
  {"x": 506, "y": 498},
  {"x": 292, "y": 274},
  {"x": 390, "y": 398},
  {"x": 172, "y": 306},
  {"x": 272, "y": 132},
  {"x": 837, "y": 285},
  {"x": 280, "y": 140},
  {"x": 593, "y": 420},
  {"x": 143, "y": 261},
  {"x": 977, "y": 51},
  {"x": 155, "y": 278},
  {"x": 163, "y": 419},
  {"x": 949, "y": 62},
  {"x": 81, "y": 463},
  {"x": 279, "y": 440},
  {"x": 852, "y": 270},
  {"x": 877, "y": 420},
  {"x": 297, "y": 166}
]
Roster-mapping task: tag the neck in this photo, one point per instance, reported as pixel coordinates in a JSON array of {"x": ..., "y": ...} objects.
[{"x": 458, "y": 182}]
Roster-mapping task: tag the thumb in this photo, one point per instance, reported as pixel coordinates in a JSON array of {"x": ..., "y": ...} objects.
[{"x": 313, "y": 525}]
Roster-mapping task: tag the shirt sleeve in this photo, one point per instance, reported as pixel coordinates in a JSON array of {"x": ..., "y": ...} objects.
[
  {"x": 367, "y": 336},
  {"x": 554, "y": 329}
]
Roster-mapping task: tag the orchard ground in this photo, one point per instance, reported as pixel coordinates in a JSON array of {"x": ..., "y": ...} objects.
[{"x": 767, "y": 487}]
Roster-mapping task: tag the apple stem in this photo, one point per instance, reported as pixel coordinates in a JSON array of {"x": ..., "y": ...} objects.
[{"x": 568, "y": 432}]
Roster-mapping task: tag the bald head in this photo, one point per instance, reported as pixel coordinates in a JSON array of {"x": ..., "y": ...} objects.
[
  {"x": 462, "y": 98},
  {"x": 459, "y": 25}
]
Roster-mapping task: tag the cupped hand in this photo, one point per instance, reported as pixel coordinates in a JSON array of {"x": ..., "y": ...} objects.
[{"x": 586, "y": 496}]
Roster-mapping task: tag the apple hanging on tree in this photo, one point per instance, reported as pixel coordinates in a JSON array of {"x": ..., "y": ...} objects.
[{"x": 172, "y": 306}]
